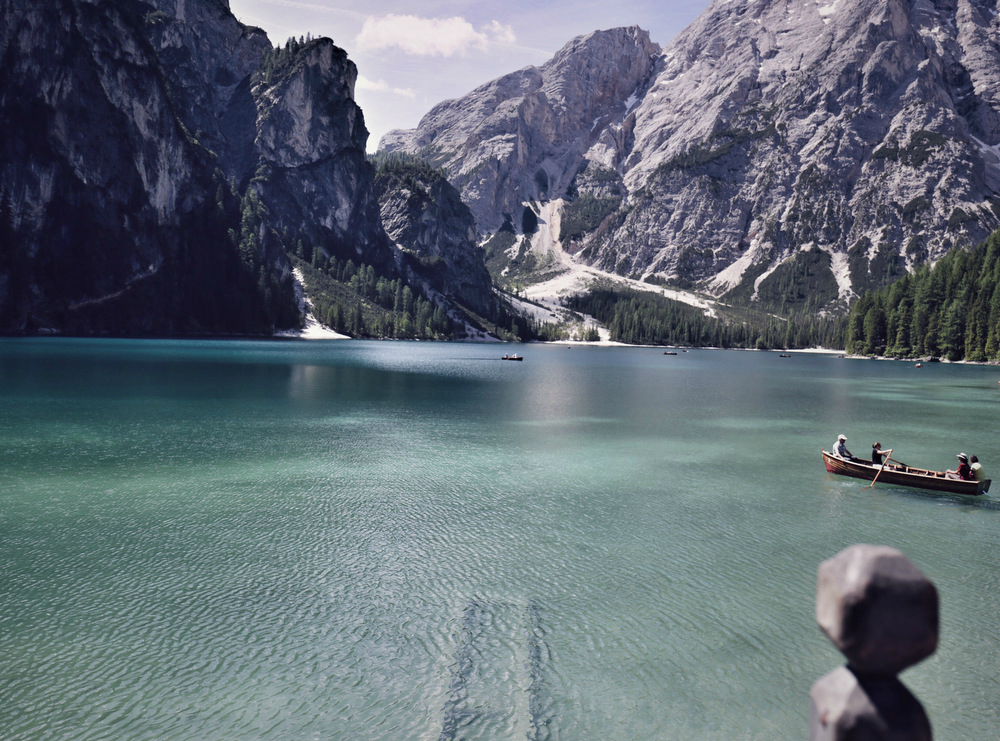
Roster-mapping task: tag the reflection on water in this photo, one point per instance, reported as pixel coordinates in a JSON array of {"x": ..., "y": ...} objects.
[{"x": 365, "y": 540}]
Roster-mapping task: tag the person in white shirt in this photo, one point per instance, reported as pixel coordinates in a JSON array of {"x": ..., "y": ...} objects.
[{"x": 840, "y": 449}]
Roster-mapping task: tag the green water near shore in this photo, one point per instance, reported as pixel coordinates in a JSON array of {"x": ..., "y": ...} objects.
[{"x": 365, "y": 540}]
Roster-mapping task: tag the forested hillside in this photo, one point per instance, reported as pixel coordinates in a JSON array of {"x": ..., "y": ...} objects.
[
  {"x": 950, "y": 311},
  {"x": 639, "y": 317}
]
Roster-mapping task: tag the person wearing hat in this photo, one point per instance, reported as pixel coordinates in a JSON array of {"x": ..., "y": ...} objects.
[
  {"x": 963, "y": 471},
  {"x": 840, "y": 449}
]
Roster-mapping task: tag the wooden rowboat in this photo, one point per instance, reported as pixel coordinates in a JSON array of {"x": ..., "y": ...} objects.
[{"x": 900, "y": 475}]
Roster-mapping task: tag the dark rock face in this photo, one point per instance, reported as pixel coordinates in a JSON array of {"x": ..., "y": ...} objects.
[
  {"x": 424, "y": 214},
  {"x": 207, "y": 57},
  {"x": 856, "y": 138},
  {"x": 109, "y": 196},
  {"x": 159, "y": 159},
  {"x": 311, "y": 140}
]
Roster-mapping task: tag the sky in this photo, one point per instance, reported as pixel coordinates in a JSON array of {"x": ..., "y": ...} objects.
[{"x": 412, "y": 56}]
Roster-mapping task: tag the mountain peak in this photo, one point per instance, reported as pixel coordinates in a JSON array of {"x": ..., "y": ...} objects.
[
  {"x": 522, "y": 137},
  {"x": 832, "y": 144}
]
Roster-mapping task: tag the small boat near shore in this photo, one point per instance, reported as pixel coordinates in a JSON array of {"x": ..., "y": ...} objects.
[
  {"x": 515, "y": 356},
  {"x": 902, "y": 475}
]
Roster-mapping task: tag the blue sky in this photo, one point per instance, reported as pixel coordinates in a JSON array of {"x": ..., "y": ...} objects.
[{"x": 411, "y": 56}]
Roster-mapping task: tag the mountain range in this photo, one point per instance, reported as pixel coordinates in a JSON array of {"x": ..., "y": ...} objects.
[
  {"x": 793, "y": 152},
  {"x": 166, "y": 170}
]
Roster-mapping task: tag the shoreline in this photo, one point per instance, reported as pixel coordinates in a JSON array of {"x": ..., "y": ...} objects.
[{"x": 314, "y": 331}]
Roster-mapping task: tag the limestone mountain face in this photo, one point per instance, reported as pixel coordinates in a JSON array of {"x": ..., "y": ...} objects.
[
  {"x": 104, "y": 189},
  {"x": 207, "y": 57},
  {"x": 293, "y": 126},
  {"x": 310, "y": 142},
  {"x": 424, "y": 214},
  {"x": 159, "y": 161},
  {"x": 788, "y": 150},
  {"x": 523, "y": 137}
]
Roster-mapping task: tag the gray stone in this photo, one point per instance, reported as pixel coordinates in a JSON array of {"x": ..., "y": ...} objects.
[
  {"x": 878, "y": 608},
  {"x": 311, "y": 142},
  {"x": 848, "y": 707}
]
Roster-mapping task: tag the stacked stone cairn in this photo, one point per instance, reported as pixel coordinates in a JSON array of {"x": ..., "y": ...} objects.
[{"x": 881, "y": 612}]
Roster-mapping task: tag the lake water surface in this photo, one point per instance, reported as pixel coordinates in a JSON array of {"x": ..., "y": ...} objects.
[{"x": 386, "y": 540}]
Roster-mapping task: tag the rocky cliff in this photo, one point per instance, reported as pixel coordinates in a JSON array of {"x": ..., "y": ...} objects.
[
  {"x": 207, "y": 57},
  {"x": 523, "y": 137},
  {"x": 788, "y": 150},
  {"x": 159, "y": 160},
  {"x": 111, "y": 201},
  {"x": 424, "y": 214},
  {"x": 311, "y": 169}
]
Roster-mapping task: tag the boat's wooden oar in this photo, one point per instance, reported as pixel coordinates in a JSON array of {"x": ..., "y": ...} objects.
[{"x": 884, "y": 459}]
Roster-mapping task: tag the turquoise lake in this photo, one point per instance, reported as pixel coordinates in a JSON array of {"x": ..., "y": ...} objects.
[{"x": 387, "y": 540}]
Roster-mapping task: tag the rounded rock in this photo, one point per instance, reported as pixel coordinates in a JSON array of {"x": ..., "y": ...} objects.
[
  {"x": 877, "y": 608},
  {"x": 847, "y": 707}
]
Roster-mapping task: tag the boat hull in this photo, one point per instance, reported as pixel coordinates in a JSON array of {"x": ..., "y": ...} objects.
[{"x": 917, "y": 478}]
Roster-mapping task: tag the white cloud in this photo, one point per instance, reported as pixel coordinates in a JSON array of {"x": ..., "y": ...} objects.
[
  {"x": 381, "y": 86},
  {"x": 443, "y": 37},
  {"x": 501, "y": 34}
]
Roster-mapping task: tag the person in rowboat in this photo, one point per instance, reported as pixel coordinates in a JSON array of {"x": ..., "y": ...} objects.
[
  {"x": 840, "y": 449},
  {"x": 878, "y": 454},
  {"x": 978, "y": 474},
  {"x": 963, "y": 471}
]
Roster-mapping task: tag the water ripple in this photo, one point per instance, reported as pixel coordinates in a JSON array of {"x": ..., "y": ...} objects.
[{"x": 384, "y": 554}]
